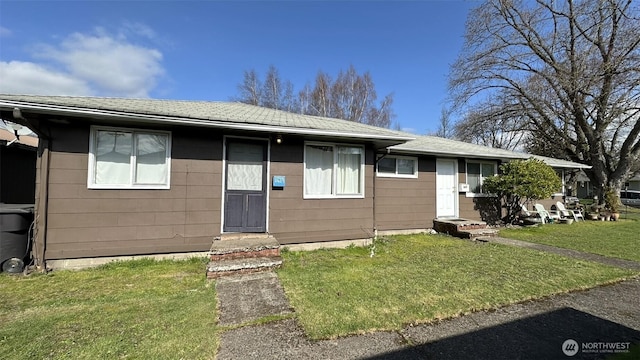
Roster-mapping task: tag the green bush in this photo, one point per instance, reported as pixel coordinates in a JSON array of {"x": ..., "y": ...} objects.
[{"x": 520, "y": 181}]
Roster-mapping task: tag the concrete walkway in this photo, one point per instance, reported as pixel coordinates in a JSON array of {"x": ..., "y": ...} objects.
[
  {"x": 626, "y": 264},
  {"x": 530, "y": 330}
]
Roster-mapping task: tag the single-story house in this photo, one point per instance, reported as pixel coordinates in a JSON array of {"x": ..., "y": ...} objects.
[{"x": 123, "y": 177}]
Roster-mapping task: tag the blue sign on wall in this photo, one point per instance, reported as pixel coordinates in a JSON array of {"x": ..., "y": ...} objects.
[{"x": 279, "y": 181}]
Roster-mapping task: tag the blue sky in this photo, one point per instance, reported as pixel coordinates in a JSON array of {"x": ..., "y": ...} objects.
[{"x": 198, "y": 50}]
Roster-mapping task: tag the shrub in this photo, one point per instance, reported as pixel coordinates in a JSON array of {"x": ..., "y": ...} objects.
[{"x": 521, "y": 181}]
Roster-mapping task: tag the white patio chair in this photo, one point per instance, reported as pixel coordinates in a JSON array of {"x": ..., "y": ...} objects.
[
  {"x": 547, "y": 214},
  {"x": 531, "y": 216},
  {"x": 564, "y": 212}
]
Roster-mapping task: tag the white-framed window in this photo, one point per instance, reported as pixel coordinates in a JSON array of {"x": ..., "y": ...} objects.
[
  {"x": 397, "y": 166},
  {"x": 121, "y": 158},
  {"x": 333, "y": 170},
  {"x": 477, "y": 171}
]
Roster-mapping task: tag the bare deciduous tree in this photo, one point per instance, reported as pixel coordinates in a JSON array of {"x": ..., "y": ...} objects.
[
  {"x": 499, "y": 126},
  {"x": 321, "y": 96},
  {"x": 350, "y": 96},
  {"x": 272, "y": 89},
  {"x": 571, "y": 68},
  {"x": 446, "y": 128},
  {"x": 250, "y": 88}
]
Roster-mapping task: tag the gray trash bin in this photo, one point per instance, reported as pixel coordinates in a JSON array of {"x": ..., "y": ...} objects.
[{"x": 15, "y": 221}]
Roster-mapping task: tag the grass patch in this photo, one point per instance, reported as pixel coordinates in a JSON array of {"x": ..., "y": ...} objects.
[
  {"x": 617, "y": 239},
  {"x": 629, "y": 213},
  {"x": 421, "y": 278},
  {"x": 140, "y": 309}
]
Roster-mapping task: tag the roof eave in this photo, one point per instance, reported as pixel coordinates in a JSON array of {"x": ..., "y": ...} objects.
[
  {"x": 485, "y": 156},
  {"x": 452, "y": 154},
  {"x": 380, "y": 140}
]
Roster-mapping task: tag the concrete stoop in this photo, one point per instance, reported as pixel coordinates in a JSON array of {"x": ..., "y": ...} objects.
[
  {"x": 242, "y": 254},
  {"x": 477, "y": 233},
  {"x": 463, "y": 228}
]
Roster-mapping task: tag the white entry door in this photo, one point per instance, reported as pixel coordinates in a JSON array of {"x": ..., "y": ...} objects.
[{"x": 446, "y": 188}]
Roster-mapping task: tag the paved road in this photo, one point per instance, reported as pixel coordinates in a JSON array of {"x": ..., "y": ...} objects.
[{"x": 530, "y": 330}]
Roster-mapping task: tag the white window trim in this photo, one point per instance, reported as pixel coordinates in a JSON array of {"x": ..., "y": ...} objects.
[
  {"x": 396, "y": 175},
  {"x": 471, "y": 194},
  {"x": 92, "y": 159},
  {"x": 563, "y": 191},
  {"x": 334, "y": 173}
]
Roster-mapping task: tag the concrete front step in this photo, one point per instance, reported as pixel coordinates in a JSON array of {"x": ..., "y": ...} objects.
[
  {"x": 475, "y": 233},
  {"x": 243, "y": 253},
  {"x": 227, "y": 267},
  {"x": 244, "y": 247},
  {"x": 463, "y": 228}
]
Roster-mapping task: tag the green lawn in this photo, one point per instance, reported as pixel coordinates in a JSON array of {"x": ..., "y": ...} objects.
[
  {"x": 138, "y": 309},
  {"x": 421, "y": 278},
  {"x": 619, "y": 239}
]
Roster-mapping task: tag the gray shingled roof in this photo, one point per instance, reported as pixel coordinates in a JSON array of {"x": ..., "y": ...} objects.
[
  {"x": 432, "y": 145},
  {"x": 243, "y": 116},
  {"x": 198, "y": 112}
]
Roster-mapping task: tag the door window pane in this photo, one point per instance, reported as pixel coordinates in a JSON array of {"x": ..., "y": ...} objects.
[{"x": 245, "y": 166}]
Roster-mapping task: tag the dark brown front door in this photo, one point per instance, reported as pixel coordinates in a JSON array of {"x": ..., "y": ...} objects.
[{"x": 245, "y": 202}]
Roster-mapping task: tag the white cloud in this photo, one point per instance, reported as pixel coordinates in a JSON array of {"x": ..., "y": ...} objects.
[
  {"x": 28, "y": 78},
  {"x": 139, "y": 29},
  {"x": 90, "y": 64},
  {"x": 4, "y": 32}
]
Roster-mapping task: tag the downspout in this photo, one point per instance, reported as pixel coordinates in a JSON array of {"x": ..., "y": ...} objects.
[
  {"x": 375, "y": 180},
  {"x": 42, "y": 191},
  {"x": 42, "y": 208}
]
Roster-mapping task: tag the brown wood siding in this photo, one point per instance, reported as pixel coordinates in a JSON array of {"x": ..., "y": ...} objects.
[
  {"x": 293, "y": 219},
  {"x": 407, "y": 203},
  {"x": 486, "y": 209},
  {"x": 95, "y": 222},
  {"x": 547, "y": 203}
]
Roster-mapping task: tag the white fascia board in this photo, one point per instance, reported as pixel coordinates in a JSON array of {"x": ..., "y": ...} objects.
[
  {"x": 523, "y": 156},
  {"x": 159, "y": 119},
  {"x": 455, "y": 154}
]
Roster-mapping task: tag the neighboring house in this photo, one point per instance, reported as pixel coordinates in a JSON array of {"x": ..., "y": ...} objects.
[
  {"x": 17, "y": 168},
  {"x": 585, "y": 188},
  {"x": 133, "y": 177}
]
